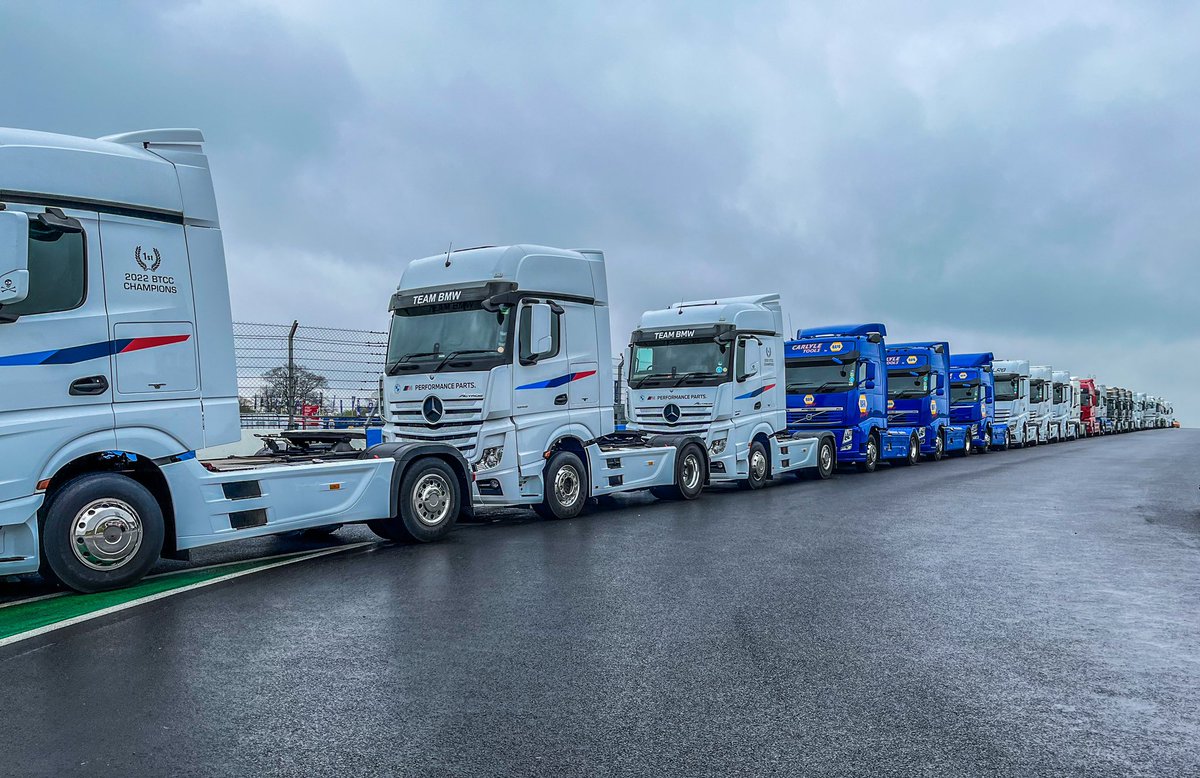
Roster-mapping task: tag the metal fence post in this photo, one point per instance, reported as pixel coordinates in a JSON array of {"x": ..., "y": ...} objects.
[{"x": 291, "y": 375}]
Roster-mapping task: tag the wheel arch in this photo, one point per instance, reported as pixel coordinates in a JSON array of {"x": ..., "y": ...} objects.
[{"x": 137, "y": 467}]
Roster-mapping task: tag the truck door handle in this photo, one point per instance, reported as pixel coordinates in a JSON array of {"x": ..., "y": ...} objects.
[
  {"x": 560, "y": 400},
  {"x": 90, "y": 386}
]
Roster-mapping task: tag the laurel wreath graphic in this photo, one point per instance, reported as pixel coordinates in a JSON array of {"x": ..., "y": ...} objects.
[{"x": 144, "y": 261}]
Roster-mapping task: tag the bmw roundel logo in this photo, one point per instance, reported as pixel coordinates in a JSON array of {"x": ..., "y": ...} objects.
[
  {"x": 671, "y": 413},
  {"x": 432, "y": 409}
]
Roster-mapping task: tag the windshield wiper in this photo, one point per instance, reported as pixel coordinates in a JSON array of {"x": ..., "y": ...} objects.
[
  {"x": 396, "y": 365},
  {"x": 460, "y": 352},
  {"x": 696, "y": 374},
  {"x": 833, "y": 385},
  {"x": 652, "y": 376}
]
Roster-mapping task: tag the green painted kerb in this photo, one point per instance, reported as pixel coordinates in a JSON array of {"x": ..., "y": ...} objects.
[{"x": 16, "y": 619}]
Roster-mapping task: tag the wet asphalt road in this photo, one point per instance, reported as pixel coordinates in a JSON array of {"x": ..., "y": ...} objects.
[{"x": 1025, "y": 613}]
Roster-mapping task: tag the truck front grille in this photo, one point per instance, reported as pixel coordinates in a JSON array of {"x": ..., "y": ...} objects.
[
  {"x": 458, "y": 427},
  {"x": 692, "y": 419}
]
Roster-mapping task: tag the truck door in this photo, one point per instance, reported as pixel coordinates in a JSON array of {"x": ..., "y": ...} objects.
[
  {"x": 540, "y": 393},
  {"x": 747, "y": 392},
  {"x": 55, "y": 358},
  {"x": 151, "y": 321}
]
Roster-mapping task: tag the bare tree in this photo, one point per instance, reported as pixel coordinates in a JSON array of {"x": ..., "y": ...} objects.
[{"x": 284, "y": 390}]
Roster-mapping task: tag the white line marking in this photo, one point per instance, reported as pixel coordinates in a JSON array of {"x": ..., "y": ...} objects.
[
  {"x": 32, "y": 599},
  {"x": 170, "y": 593},
  {"x": 181, "y": 571}
]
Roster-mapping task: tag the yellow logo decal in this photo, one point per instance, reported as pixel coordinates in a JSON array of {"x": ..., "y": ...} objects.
[
  {"x": 862, "y": 403},
  {"x": 962, "y": 375},
  {"x": 933, "y": 407},
  {"x": 912, "y": 360},
  {"x": 809, "y": 399},
  {"x": 891, "y": 404},
  {"x": 835, "y": 346}
]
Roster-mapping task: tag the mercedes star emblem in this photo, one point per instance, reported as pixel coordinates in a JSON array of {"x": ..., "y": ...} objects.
[
  {"x": 432, "y": 409},
  {"x": 671, "y": 413}
]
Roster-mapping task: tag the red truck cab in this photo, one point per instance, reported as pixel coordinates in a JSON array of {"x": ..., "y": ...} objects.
[{"x": 1088, "y": 405}]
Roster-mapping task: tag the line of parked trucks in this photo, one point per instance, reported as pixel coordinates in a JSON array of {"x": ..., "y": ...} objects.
[{"x": 116, "y": 353}]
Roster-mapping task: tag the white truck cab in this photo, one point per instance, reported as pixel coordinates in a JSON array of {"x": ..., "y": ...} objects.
[
  {"x": 117, "y": 366},
  {"x": 1062, "y": 400},
  {"x": 713, "y": 368},
  {"x": 504, "y": 353},
  {"x": 1012, "y": 401},
  {"x": 1041, "y": 402}
]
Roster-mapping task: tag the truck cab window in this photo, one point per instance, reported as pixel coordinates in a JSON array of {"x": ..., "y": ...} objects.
[
  {"x": 819, "y": 375},
  {"x": 57, "y": 271},
  {"x": 907, "y": 383},
  {"x": 524, "y": 325}
]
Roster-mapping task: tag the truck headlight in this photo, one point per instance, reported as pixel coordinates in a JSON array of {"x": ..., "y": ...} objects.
[
  {"x": 716, "y": 447},
  {"x": 491, "y": 458}
]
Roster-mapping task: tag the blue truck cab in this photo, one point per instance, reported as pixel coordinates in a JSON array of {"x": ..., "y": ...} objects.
[
  {"x": 973, "y": 398},
  {"x": 837, "y": 382},
  {"x": 919, "y": 398}
]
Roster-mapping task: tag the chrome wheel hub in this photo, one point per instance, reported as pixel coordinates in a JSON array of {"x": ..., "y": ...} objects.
[
  {"x": 691, "y": 472},
  {"x": 106, "y": 534},
  {"x": 431, "y": 499},
  {"x": 758, "y": 465},
  {"x": 826, "y": 458},
  {"x": 566, "y": 485}
]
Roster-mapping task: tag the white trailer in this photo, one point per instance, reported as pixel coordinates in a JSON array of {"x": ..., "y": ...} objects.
[
  {"x": 504, "y": 353},
  {"x": 117, "y": 365},
  {"x": 712, "y": 368}
]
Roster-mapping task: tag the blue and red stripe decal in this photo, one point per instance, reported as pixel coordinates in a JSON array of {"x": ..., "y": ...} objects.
[
  {"x": 75, "y": 354},
  {"x": 755, "y": 393},
  {"x": 559, "y": 380}
]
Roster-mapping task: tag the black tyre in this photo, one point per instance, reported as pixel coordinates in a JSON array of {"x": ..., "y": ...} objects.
[
  {"x": 100, "y": 531},
  {"x": 566, "y": 487},
  {"x": 826, "y": 459},
  {"x": 758, "y": 469},
  {"x": 939, "y": 448},
  {"x": 871, "y": 460},
  {"x": 987, "y": 442},
  {"x": 430, "y": 500},
  {"x": 968, "y": 444},
  {"x": 689, "y": 476},
  {"x": 913, "y": 456}
]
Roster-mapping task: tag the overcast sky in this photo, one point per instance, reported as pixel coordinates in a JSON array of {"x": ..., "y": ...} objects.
[{"x": 1024, "y": 180}]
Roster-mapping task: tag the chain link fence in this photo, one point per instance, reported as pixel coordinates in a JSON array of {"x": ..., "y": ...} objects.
[{"x": 292, "y": 376}]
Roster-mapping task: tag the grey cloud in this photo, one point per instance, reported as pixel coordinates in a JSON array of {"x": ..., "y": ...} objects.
[{"x": 1022, "y": 179}]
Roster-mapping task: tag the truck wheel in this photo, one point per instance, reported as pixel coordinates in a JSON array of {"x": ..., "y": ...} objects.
[
  {"x": 430, "y": 500},
  {"x": 758, "y": 468},
  {"x": 101, "y": 531},
  {"x": 826, "y": 459},
  {"x": 968, "y": 444},
  {"x": 689, "y": 476},
  {"x": 871, "y": 462},
  {"x": 939, "y": 448},
  {"x": 566, "y": 487},
  {"x": 987, "y": 442}
]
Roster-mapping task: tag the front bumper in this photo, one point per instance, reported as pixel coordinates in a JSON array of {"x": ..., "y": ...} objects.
[{"x": 19, "y": 535}]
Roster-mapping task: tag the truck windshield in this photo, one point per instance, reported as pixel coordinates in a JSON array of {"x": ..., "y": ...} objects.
[
  {"x": 1037, "y": 391},
  {"x": 1060, "y": 395},
  {"x": 1008, "y": 388},
  {"x": 1085, "y": 400},
  {"x": 691, "y": 362},
  {"x": 907, "y": 383},
  {"x": 817, "y": 376},
  {"x": 963, "y": 393},
  {"x": 461, "y": 335}
]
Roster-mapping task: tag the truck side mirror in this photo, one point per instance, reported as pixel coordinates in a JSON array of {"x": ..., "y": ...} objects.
[
  {"x": 988, "y": 393},
  {"x": 14, "y": 257},
  {"x": 869, "y": 385},
  {"x": 870, "y": 372},
  {"x": 539, "y": 328}
]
